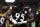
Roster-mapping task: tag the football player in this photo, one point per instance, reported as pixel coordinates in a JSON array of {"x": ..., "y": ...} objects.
[
  {"x": 3, "y": 20},
  {"x": 20, "y": 16},
  {"x": 37, "y": 16}
]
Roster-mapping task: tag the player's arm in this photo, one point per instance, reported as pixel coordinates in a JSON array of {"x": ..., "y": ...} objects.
[
  {"x": 7, "y": 22},
  {"x": 30, "y": 17},
  {"x": 11, "y": 19}
]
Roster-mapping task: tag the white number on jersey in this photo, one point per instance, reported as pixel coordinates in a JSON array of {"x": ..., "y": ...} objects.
[
  {"x": 17, "y": 15},
  {"x": 2, "y": 20}
]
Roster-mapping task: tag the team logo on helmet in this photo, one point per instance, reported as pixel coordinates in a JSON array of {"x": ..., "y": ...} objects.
[{"x": 25, "y": 12}]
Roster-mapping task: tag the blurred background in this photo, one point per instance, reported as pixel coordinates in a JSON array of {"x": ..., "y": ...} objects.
[{"x": 34, "y": 7}]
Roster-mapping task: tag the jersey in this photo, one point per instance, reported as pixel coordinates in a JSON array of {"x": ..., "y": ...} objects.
[
  {"x": 20, "y": 15},
  {"x": 2, "y": 21},
  {"x": 38, "y": 14},
  {"x": 37, "y": 17}
]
